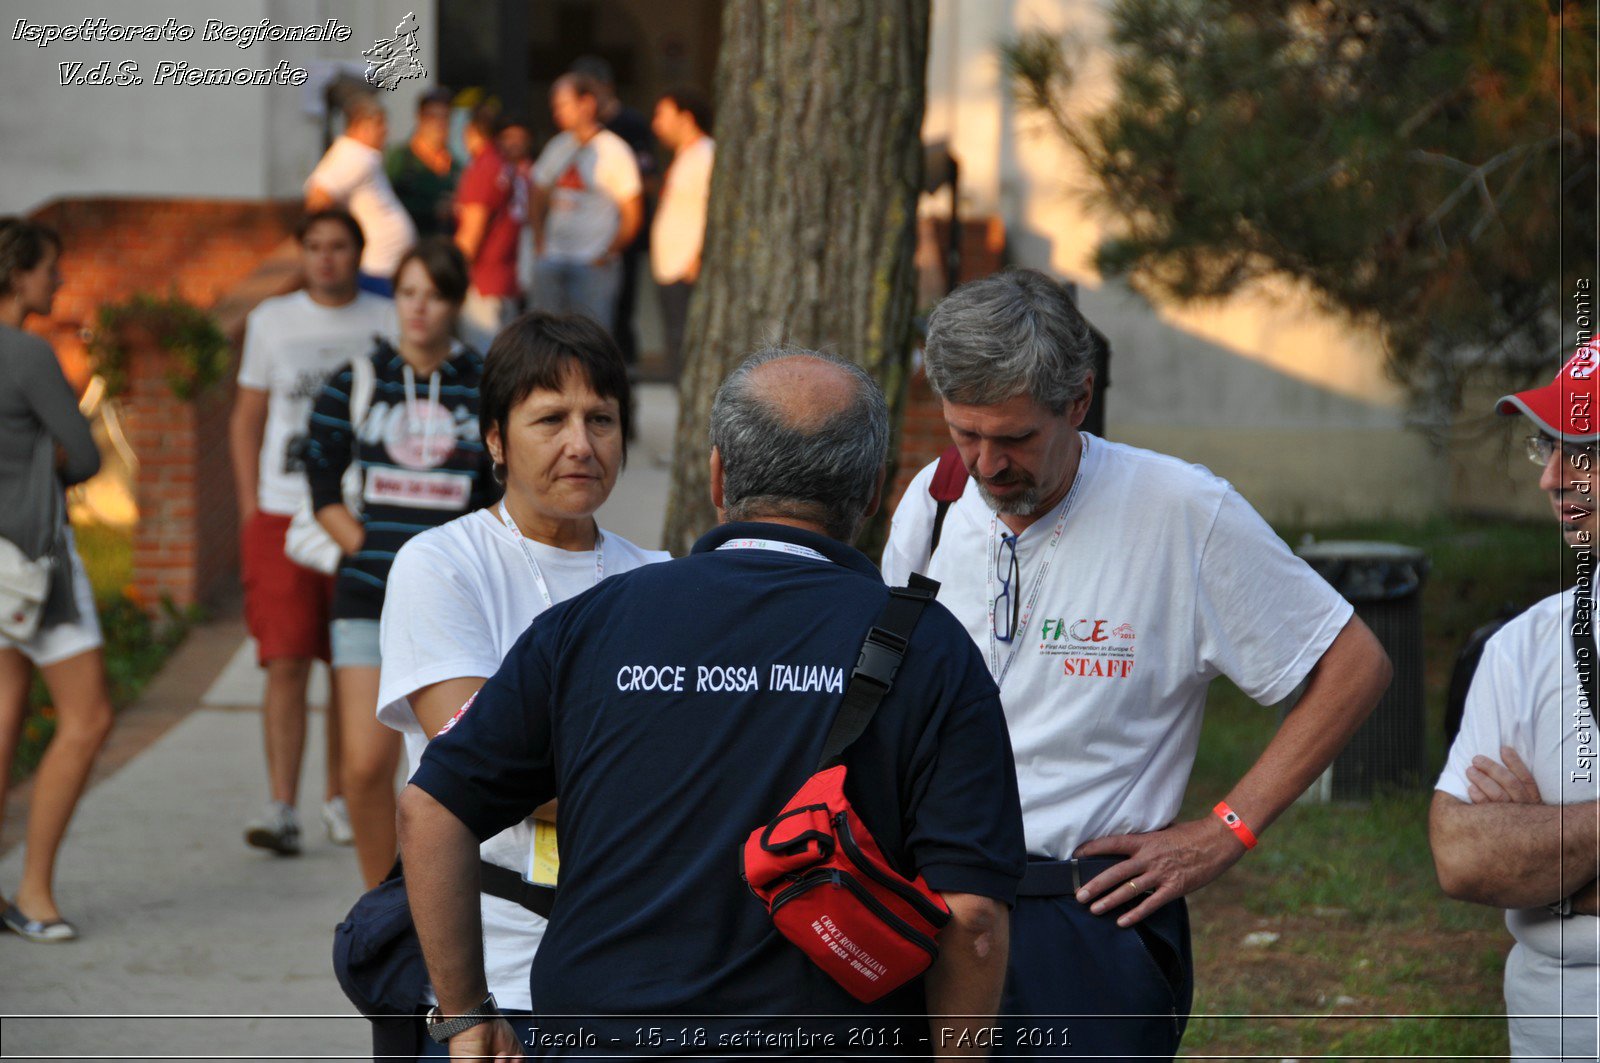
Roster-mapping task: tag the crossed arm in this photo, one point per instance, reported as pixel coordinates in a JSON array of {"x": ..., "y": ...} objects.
[{"x": 1507, "y": 848}]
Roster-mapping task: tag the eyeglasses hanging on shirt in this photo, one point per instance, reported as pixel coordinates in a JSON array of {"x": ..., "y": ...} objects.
[
  {"x": 1008, "y": 603},
  {"x": 1006, "y": 621}
]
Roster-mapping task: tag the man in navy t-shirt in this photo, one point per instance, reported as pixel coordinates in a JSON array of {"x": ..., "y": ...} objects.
[{"x": 677, "y": 708}]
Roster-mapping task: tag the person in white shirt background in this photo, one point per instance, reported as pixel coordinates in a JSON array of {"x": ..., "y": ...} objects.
[
  {"x": 682, "y": 123},
  {"x": 585, "y": 206},
  {"x": 351, "y": 175},
  {"x": 1515, "y": 823},
  {"x": 553, "y": 413},
  {"x": 291, "y": 345},
  {"x": 1108, "y": 586}
]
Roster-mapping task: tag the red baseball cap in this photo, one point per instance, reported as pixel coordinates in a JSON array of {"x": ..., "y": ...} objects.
[{"x": 1568, "y": 407}]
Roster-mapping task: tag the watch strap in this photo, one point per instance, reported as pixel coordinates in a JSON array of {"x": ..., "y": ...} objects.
[{"x": 441, "y": 1029}]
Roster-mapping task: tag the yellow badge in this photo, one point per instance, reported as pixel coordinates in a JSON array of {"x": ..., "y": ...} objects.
[{"x": 546, "y": 861}]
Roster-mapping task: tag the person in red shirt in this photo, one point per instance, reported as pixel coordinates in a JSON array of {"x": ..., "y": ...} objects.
[{"x": 487, "y": 231}]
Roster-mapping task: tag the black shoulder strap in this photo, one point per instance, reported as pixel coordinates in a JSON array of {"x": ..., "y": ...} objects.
[
  {"x": 1583, "y": 655},
  {"x": 940, "y": 509},
  {"x": 881, "y": 654},
  {"x": 506, "y": 884},
  {"x": 501, "y": 882}
]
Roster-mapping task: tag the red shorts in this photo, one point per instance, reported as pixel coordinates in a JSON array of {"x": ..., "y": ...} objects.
[{"x": 285, "y": 605}]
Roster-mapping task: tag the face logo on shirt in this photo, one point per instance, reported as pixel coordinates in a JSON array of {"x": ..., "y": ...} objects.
[
  {"x": 1089, "y": 647},
  {"x": 462, "y": 711}
]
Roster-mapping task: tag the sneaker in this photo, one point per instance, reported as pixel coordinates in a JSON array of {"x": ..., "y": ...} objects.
[
  {"x": 337, "y": 818},
  {"x": 44, "y": 931},
  {"x": 278, "y": 829}
]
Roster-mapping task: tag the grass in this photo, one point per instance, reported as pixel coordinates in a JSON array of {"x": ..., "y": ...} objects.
[
  {"x": 1370, "y": 959},
  {"x": 137, "y": 643}
]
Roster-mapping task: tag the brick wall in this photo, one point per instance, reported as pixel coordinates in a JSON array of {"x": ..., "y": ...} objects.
[
  {"x": 116, "y": 247},
  {"x": 224, "y": 257},
  {"x": 923, "y": 435}
]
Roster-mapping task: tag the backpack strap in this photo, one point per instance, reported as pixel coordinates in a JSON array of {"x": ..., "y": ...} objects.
[
  {"x": 879, "y": 660},
  {"x": 363, "y": 380},
  {"x": 948, "y": 484}
]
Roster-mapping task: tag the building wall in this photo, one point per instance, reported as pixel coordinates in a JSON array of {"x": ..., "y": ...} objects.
[
  {"x": 1289, "y": 402},
  {"x": 210, "y": 142}
]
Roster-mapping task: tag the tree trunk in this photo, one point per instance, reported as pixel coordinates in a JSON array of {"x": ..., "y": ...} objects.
[{"x": 812, "y": 218}]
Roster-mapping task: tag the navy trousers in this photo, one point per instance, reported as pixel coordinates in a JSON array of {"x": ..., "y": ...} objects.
[{"x": 1081, "y": 987}]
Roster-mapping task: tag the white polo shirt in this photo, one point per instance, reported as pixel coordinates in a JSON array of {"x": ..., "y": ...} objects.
[
  {"x": 460, "y": 595},
  {"x": 1163, "y": 579},
  {"x": 1525, "y": 694}
]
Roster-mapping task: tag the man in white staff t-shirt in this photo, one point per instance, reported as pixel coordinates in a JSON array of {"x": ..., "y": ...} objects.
[
  {"x": 1107, "y": 586},
  {"x": 291, "y": 344},
  {"x": 1514, "y": 818}
]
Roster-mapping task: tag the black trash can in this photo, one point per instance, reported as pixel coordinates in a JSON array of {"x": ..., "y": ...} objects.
[{"x": 1384, "y": 583}]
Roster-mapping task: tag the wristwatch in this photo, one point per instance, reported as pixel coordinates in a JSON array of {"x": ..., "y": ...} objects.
[{"x": 442, "y": 1029}]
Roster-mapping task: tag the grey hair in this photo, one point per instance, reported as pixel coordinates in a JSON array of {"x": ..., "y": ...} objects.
[
  {"x": 825, "y": 471},
  {"x": 1009, "y": 334}
]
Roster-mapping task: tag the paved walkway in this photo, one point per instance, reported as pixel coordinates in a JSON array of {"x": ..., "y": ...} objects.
[{"x": 179, "y": 917}]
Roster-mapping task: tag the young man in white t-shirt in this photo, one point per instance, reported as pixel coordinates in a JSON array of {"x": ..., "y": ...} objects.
[
  {"x": 291, "y": 344},
  {"x": 585, "y": 206},
  {"x": 1514, "y": 818},
  {"x": 1107, "y": 586},
  {"x": 677, "y": 234},
  {"x": 351, "y": 175}
]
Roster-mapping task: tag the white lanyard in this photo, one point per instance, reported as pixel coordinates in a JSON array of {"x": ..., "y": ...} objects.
[
  {"x": 538, "y": 576},
  {"x": 997, "y": 667},
  {"x": 770, "y": 544}
]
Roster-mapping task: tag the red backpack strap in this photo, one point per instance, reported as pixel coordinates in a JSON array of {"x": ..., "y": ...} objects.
[{"x": 948, "y": 484}]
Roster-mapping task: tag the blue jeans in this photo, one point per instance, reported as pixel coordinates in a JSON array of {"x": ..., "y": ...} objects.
[{"x": 565, "y": 286}]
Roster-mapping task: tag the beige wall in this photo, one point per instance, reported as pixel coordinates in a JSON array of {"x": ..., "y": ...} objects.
[
  {"x": 206, "y": 142},
  {"x": 1290, "y": 403}
]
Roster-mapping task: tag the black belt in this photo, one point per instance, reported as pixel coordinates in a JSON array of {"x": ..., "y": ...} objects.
[
  {"x": 506, "y": 884},
  {"x": 1062, "y": 878}
]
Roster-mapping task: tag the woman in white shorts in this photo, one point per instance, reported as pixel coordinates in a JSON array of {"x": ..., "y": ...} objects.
[
  {"x": 45, "y": 446},
  {"x": 554, "y": 407}
]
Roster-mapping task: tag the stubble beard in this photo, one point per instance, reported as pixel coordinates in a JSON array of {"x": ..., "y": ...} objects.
[{"x": 1024, "y": 503}]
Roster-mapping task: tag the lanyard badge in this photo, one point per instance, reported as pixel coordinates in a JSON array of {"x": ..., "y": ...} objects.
[{"x": 527, "y": 554}]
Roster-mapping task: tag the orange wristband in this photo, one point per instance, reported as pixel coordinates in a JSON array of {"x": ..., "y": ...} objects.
[{"x": 1235, "y": 824}]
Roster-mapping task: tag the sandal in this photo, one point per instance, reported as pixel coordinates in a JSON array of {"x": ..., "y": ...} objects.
[{"x": 46, "y": 931}]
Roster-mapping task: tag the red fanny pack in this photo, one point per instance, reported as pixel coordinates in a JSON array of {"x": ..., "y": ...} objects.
[{"x": 816, "y": 866}]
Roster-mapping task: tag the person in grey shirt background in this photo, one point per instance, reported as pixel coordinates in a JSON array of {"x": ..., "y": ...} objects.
[{"x": 45, "y": 446}]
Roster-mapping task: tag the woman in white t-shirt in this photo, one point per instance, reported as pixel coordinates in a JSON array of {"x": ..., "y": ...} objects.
[{"x": 554, "y": 401}]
